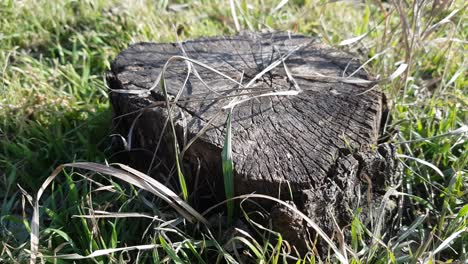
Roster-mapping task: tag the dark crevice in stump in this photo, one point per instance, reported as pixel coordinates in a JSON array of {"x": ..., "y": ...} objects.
[{"x": 320, "y": 144}]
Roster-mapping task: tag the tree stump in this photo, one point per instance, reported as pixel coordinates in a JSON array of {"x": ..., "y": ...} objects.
[{"x": 317, "y": 149}]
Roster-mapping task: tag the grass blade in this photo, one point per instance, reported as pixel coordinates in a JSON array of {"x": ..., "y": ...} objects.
[
  {"x": 180, "y": 174},
  {"x": 279, "y": 6},
  {"x": 445, "y": 243},
  {"x": 432, "y": 166},
  {"x": 234, "y": 15},
  {"x": 228, "y": 173},
  {"x": 352, "y": 40}
]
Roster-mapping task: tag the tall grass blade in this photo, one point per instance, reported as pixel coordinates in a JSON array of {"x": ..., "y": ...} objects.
[
  {"x": 103, "y": 214},
  {"x": 279, "y": 6},
  {"x": 105, "y": 252},
  {"x": 398, "y": 71},
  {"x": 170, "y": 251},
  {"x": 251, "y": 246},
  {"x": 430, "y": 165},
  {"x": 445, "y": 20},
  {"x": 459, "y": 131},
  {"x": 340, "y": 255},
  {"x": 411, "y": 229},
  {"x": 180, "y": 173},
  {"x": 352, "y": 40},
  {"x": 445, "y": 244},
  {"x": 228, "y": 170},
  {"x": 234, "y": 15}
]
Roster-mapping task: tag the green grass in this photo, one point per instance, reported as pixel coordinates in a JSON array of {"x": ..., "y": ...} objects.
[{"x": 54, "y": 109}]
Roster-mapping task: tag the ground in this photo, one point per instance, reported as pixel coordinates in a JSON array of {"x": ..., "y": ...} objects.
[{"x": 54, "y": 109}]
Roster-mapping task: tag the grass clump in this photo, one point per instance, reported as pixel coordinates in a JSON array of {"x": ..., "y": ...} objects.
[{"x": 54, "y": 109}]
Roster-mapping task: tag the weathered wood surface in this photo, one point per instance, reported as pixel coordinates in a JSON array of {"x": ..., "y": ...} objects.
[{"x": 320, "y": 143}]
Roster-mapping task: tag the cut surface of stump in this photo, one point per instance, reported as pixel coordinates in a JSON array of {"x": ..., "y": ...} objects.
[{"x": 304, "y": 129}]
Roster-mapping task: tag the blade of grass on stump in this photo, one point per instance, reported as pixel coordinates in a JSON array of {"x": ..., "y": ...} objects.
[
  {"x": 180, "y": 173},
  {"x": 228, "y": 168}
]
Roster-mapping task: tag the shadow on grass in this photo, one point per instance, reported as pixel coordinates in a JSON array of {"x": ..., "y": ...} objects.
[{"x": 31, "y": 149}]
